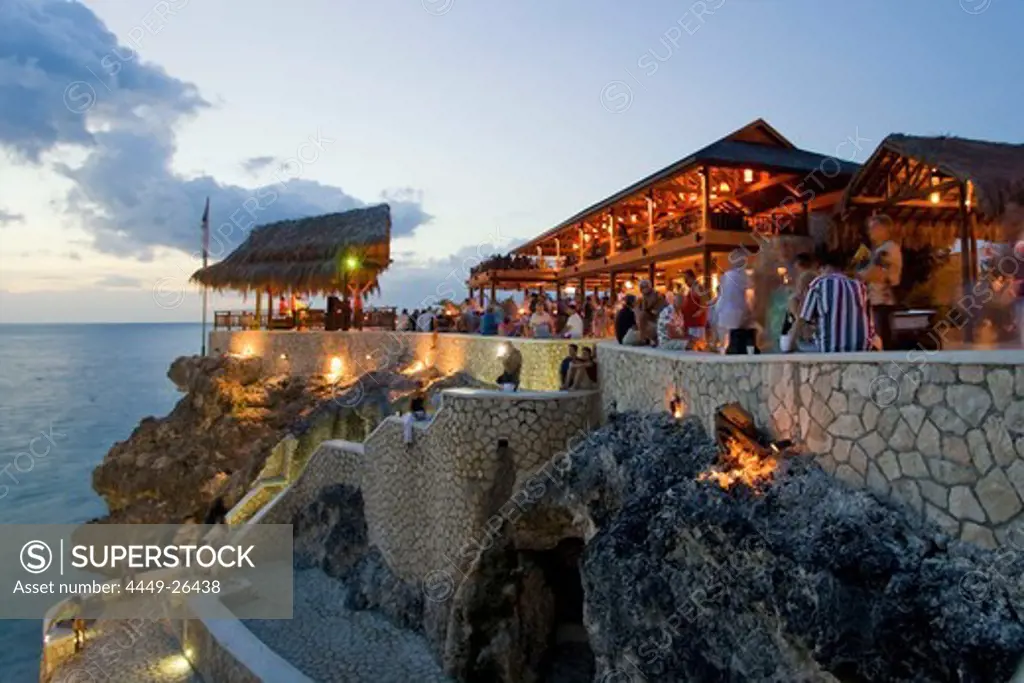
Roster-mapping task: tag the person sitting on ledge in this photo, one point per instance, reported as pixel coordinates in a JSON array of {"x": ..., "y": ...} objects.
[
  {"x": 583, "y": 371},
  {"x": 417, "y": 412},
  {"x": 563, "y": 369},
  {"x": 512, "y": 364}
]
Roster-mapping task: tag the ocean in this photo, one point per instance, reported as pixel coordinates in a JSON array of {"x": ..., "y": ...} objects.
[{"x": 67, "y": 393}]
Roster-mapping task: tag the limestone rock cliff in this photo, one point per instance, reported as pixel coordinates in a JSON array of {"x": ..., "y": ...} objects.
[
  {"x": 805, "y": 580},
  {"x": 218, "y": 437}
]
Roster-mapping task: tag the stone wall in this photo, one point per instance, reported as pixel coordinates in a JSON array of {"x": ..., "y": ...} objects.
[
  {"x": 425, "y": 501},
  {"x": 943, "y": 433},
  {"x": 310, "y": 353}
]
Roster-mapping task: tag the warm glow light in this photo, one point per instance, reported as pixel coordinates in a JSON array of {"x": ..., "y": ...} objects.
[
  {"x": 714, "y": 195},
  {"x": 632, "y": 218},
  {"x": 175, "y": 664},
  {"x": 247, "y": 352},
  {"x": 744, "y": 466},
  {"x": 723, "y": 187},
  {"x": 934, "y": 197},
  {"x": 351, "y": 263},
  {"x": 682, "y": 196},
  {"x": 369, "y": 357},
  {"x": 693, "y": 196},
  {"x": 414, "y": 368},
  {"x": 628, "y": 284},
  {"x": 576, "y": 247},
  {"x": 284, "y": 356},
  {"x": 676, "y": 407},
  {"x": 502, "y": 350},
  {"x": 522, "y": 311},
  {"x": 748, "y": 175},
  {"x": 336, "y": 366}
]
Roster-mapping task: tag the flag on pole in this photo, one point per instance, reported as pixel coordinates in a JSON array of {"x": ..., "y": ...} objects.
[
  {"x": 206, "y": 231},
  {"x": 206, "y": 251}
]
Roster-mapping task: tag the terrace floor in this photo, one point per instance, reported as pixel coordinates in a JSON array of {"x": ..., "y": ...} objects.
[{"x": 330, "y": 643}]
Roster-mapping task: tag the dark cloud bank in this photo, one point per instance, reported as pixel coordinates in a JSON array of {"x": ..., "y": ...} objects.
[{"x": 67, "y": 80}]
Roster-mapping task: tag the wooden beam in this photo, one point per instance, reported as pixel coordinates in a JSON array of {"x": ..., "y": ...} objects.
[
  {"x": 965, "y": 260},
  {"x": 705, "y": 199},
  {"x": 879, "y": 202}
]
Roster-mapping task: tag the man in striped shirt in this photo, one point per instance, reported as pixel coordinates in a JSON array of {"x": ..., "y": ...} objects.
[{"x": 838, "y": 306}]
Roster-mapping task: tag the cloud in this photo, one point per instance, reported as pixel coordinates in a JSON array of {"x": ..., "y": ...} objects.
[
  {"x": 8, "y": 218},
  {"x": 76, "y": 84},
  {"x": 119, "y": 282},
  {"x": 415, "y": 283},
  {"x": 73, "y": 255},
  {"x": 256, "y": 164}
]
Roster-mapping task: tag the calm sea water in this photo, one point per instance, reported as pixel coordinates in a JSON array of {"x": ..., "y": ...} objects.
[{"x": 80, "y": 388}]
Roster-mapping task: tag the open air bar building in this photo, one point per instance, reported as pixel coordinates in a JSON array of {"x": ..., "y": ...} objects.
[{"x": 751, "y": 185}]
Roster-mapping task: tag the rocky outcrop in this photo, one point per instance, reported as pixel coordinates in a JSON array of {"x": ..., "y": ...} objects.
[
  {"x": 217, "y": 439},
  {"x": 807, "y": 579}
]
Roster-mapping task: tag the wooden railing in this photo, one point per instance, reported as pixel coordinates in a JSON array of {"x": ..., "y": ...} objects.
[{"x": 313, "y": 318}]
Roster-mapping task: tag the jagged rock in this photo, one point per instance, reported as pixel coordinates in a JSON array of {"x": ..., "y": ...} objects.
[
  {"x": 805, "y": 580},
  {"x": 224, "y": 429},
  {"x": 330, "y": 533}
]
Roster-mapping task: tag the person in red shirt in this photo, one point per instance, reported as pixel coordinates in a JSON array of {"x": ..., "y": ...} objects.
[{"x": 695, "y": 309}]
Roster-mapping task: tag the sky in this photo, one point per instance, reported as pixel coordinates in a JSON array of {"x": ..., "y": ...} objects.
[{"x": 482, "y": 124}]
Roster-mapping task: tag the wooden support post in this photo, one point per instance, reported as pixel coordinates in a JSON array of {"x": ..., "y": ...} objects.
[
  {"x": 259, "y": 298},
  {"x": 705, "y": 199},
  {"x": 652, "y": 272},
  {"x": 481, "y": 295},
  {"x": 581, "y": 293},
  {"x": 613, "y": 292},
  {"x": 650, "y": 219},
  {"x": 494, "y": 293},
  {"x": 965, "y": 260},
  {"x": 583, "y": 246}
]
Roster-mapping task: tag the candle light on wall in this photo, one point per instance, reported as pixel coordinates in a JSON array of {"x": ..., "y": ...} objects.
[
  {"x": 748, "y": 175},
  {"x": 676, "y": 407}
]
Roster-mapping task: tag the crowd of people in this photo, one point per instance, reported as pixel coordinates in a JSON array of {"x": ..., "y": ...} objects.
[
  {"x": 538, "y": 317},
  {"x": 830, "y": 305}
]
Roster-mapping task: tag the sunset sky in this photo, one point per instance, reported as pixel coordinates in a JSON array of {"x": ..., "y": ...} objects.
[{"x": 482, "y": 123}]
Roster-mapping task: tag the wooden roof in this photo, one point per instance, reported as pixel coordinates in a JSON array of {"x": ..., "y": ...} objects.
[
  {"x": 917, "y": 181},
  {"x": 757, "y": 145},
  {"x": 995, "y": 168},
  {"x": 307, "y": 254}
]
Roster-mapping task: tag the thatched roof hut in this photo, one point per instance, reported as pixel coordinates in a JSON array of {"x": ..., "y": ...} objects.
[
  {"x": 922, "y": 181},
  {"x": 319, "y": 254}
]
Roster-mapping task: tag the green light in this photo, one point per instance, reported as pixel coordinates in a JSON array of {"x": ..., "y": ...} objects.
[{"x": 351, "y": 263}]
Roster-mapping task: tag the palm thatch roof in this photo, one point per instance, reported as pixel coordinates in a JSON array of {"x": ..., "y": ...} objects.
[
  {"x": 993, "y": 171},
  {"x": 314, "y": 254}
]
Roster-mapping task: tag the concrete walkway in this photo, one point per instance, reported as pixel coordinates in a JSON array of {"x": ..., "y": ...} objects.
[
  {"x": 128, "y": 652},
  {"x": 330, "y": 643}
]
